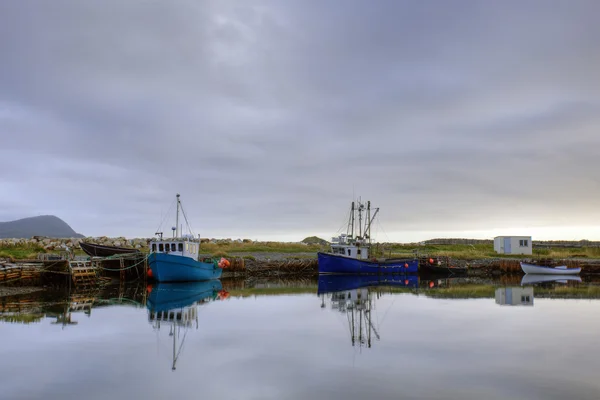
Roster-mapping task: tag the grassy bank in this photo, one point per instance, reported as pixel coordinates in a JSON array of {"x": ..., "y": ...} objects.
[
  {"x": 483, "y": 251},
  {"x": 455, "y": 251},
  {"x": 21, "y": 252}
]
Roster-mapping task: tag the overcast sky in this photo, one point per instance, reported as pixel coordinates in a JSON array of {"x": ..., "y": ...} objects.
[{"x": 457, "y": 118}]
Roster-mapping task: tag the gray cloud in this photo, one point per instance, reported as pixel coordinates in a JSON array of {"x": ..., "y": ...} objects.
[{"x": 268, "y": 117}]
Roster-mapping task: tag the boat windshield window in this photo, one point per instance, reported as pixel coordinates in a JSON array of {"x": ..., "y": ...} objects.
[
  {"x": 153, "y": 247},
  {"x": 160, "y": 247},
  {"x": 173, "y": 248},
  {"x": 181, "y": 247}
]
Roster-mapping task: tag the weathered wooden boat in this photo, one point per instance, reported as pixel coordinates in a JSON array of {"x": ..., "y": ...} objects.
[
  {"x": 531, "y": 279},
  {"x": 176, "y": 259},
  {"x": 97, "y": 250},
  {"x": 547, "y": 270},
  {"x": 351, "y": 254}
]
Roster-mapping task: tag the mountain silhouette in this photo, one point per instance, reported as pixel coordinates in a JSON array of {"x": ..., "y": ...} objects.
[{"x": 44, "y": 225}]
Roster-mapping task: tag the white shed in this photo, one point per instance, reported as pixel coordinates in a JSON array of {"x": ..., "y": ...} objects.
[{"x": 513, "y": 245}]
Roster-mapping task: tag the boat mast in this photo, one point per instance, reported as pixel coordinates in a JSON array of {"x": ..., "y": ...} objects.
[
  {"x": 174, "y": 343},
  {"x": 360, "y": 210},
  {"x": 368, "y": 225},
  {"x": 371, "y": 221},
  {"x": 350, "y": 229},
  {"x": 177, "y": 219}
]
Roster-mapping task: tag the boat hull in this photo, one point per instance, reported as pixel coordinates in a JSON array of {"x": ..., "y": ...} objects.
[
  {"x": 543, "y": 270},
  {"x": 169, "y": 296},
  {"x": 97, "y": 250},
  {"x": 338, "y": 283},
  {"x": 337, "y": 264},
  {"x": 174, "y": 268}
]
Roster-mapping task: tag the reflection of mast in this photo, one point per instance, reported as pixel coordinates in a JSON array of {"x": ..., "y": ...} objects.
[
  {"x": 176, "y": 319},
  {"x": 357, "y": 304}
]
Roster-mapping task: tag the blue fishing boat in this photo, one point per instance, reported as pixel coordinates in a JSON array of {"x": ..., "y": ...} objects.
[
  {"x": 351, "y": 254},
  {"x": 168, "y": 296},
  {"x": 176, "y": 259},
  {"x": 176, "y": 306}
]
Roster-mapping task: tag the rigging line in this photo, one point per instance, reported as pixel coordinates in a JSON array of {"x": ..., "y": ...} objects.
[
  {"x": 181, "y": 346},
  {"x": 345, "y": 224},
  {"x": 165, "y": 216},
  {"x": 383, "y": 230},
  {"x": 386, "y": 311},
  {"x": 186, "y": 222}
]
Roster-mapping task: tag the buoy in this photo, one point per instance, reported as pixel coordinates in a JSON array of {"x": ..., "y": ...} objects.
[
  {"x": 149, "y": 273},
  {"x": 431, "y": 284},
  {"x": 405, "y": 265},
  {"x": 149, "y": 289},
  {"x": 431, "y": 261},
  {"x": 406, "y": 282}
]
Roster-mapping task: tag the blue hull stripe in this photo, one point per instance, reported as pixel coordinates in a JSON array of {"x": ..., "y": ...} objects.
[
  {"x": 336, "y": 264},
  {"x": 173, "y": 268},
  {"x": 169, "y": 296},
  {"x": 337, "y": 283}
]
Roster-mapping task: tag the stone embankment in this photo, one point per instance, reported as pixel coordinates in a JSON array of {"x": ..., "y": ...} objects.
[{"x": 55, "y": 244}]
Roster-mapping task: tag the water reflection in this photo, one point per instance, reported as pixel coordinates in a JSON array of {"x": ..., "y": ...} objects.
[
  {"x": 176, "y": 305},
  {"x": 271, "y": 340},
  {"x": 514, "y": 296},
  {"x": 531, "y": 279},
  {"x": 353, "y": 295}
]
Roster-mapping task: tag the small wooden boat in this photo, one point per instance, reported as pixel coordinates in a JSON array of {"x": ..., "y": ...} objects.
[
  {"x": 97, "y": 250},
  {"x": 546, "y": 270}
]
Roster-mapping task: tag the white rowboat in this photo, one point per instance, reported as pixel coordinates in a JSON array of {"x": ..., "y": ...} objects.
[{"x": 544, "y": 270}]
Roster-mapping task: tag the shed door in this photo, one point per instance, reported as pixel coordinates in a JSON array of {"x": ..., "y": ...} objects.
[{"x": 507, "y": 248}]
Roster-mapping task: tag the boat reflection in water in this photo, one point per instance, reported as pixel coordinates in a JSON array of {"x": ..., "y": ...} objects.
[
  {"x": 353, "y": 296},
  {"x": 531, "y": 279},
  {"x": 176, "y": 305},
  {"x": 514, "y": 296}
]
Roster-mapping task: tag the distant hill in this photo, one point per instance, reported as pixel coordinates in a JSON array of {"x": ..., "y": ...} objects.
[
  {"x": 44, "y": 225},
  {"x": 315, "y": 240}
]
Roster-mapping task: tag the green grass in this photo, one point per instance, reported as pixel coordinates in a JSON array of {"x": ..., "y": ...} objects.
[
  {"x": 259, "y": 247},
  {"x": 21, "y": 252},
  {"x": 276, "y": 291},
  {"x": 21, "y": 318},
  {"x": 462, "y": 292},
  {"x": 456, "y": 251},
  {"x": 483, "y": 251}
]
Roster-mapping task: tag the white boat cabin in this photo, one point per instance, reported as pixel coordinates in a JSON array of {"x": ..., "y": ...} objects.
[
  {"x": 343, "y": 245},
  {"x": 177, "y": 247}
]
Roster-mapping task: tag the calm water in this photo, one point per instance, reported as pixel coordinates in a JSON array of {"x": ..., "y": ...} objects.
[{"x": 285, "y": 341}]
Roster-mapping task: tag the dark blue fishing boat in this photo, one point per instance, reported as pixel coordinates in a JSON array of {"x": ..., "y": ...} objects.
[
  {"x": 176, "y": 259},
  {"x": 351, "y": 254},
  {"x": 338, "y": 264},
  {"x": 337, "y": 283}
]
